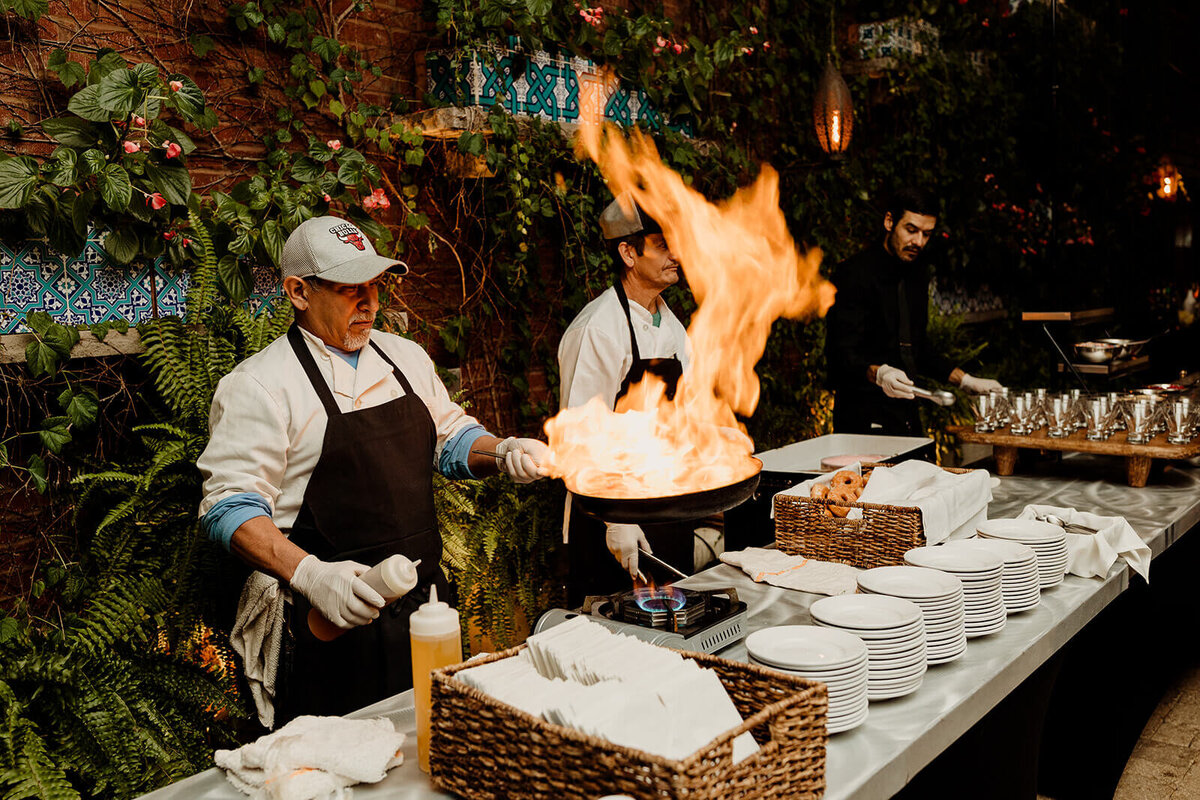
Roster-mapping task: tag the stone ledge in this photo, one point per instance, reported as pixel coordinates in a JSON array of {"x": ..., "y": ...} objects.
[{"x": 12, "y": 345}]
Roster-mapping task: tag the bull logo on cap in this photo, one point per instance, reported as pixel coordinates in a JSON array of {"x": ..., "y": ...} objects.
[{"x": 348, "y": 234}]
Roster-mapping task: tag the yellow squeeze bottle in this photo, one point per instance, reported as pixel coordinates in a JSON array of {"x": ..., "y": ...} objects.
[{"x": 436, "y": 642}]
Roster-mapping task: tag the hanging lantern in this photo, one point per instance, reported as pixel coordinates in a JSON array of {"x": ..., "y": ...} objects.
[
  {"x": 833, "y": 115},
  {"x": 1168, "y": 182}
]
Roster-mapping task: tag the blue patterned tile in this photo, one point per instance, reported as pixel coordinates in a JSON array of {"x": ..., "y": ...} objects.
[{"x": 87, "y": 289}]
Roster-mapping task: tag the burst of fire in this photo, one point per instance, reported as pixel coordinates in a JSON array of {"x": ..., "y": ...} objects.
[{"x": 745, "y": 272}]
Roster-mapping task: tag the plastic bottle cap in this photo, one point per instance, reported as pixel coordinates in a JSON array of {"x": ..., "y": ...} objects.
[
  {"x": 435, "y": 618},
  {"x": 399, "y": 574}
]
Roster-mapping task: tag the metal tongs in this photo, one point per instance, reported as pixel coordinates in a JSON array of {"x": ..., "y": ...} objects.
[{"x": 938, "y": 396}]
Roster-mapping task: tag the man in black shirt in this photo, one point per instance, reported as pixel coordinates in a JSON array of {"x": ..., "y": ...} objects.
[{"x": 877, "y": 333}]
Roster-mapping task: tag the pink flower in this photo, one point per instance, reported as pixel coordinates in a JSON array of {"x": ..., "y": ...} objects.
[
  {"x": 169, "y": 235},
  {"x": 381, "y": 199},
  {"x": 187, "y": 242},
  {"x": 325, "y": 197},
  {"x": 175, "y": 85},
  {"x": 155, "y": 201},
  {"x": 754, "y": 30},
  {"x": 661, "y": 42},
  {"x": 368, "y": 202},
  {"x": 748, "y": 50},
  {"x": 139, "y": 121},
  {"x": 766, "y": 45},
  {"x": 334, "y": 144},
  {"x": 172, "y": 149},
  {"x": 656, "y": 50},
  {"x": 131, "y": 147},
  {"x": 678, "y": 49}
]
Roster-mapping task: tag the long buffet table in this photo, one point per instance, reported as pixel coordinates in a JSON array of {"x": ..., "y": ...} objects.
[{"x": 902, "y": 737}]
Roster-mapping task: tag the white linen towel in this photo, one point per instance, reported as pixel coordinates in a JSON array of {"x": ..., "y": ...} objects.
[
  {"x": 794, "y": 572},
  {"x": 313, "y": 758},
  {"x": 257, "y": 637},
  {"x": 1091, "y": 555}
]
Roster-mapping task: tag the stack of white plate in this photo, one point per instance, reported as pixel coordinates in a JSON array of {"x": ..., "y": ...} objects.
[
  {"x": 1020, "y": 580},
  {"x": 1048, "y": 541},
  {"x": 893, "y": 630},
  {"x": 835, "y": 658},
  {"x": 940, "y": 598},
  {"x": 980, "y": 573}
]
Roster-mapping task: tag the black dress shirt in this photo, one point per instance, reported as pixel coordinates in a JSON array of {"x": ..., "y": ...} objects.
[{"x": 880, "y": 317}]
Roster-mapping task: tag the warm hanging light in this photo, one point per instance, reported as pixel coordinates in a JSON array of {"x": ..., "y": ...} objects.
[
  {"x": 1170, "y": 182},
  {"x": 833, "y": 115}
]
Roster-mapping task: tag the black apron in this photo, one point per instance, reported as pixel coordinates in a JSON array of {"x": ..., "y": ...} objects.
[
  {"x": 370, "y": 496},
  {"x": 593, "y": 570}
]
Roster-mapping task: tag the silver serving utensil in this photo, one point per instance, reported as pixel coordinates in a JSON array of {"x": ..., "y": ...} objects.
[
  {"x": 661, "y": 563},
  {"x": 1072, "y": 527},
  {"x": 487, "y": 453},
  {"x": 938, "y": 396}
]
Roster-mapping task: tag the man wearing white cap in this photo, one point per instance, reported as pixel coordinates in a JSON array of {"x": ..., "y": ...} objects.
[
  {"x": 320, "y": 464},
  {"x": 615, "y": 340}
]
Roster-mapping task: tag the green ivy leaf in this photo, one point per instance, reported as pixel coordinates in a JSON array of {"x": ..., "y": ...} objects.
[
  {"x": 201, "y": 45},
  {"x": 63, "y": 167},
  {"x": 29, "y": 9},
  {"x": 95, "y": 161},
  {"x": 82, "y": 409},
  {"x": 189, "y": 100},
  {"x": 115, "y": 187},
  {"x": 86, "y": 103},
  {"x": 71, "y": 131},
  {"x": 18, "y": 178},
  {"x": 39, "y": 322},
  {"x": 55, "y": 434},
  {"x": 471, "y": 143},
  {"x": 415, "y": 156},
  {"x": 235, "y": 278},
  {"x": 121, "y": 244},
  {"x": 106, "y": 62},
  {"x": 4, "y": 463},
  {"x": 41, "y": 359},
  {"x": 328, "y": 49},
  {"x": 69, "y": 72},
  {"x": 273, "y": 239},
  {"x": 9, "y": 629},
  {"x": 37, "y": 470},
  {"x": 172, "y": 182},
  {"x": 122, "y": 91},
  {"x": 336, "y": 108},
  {"x": 255, "y": 74}
]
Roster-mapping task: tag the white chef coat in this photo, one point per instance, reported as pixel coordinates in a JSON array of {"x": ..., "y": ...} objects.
[
  {"x": 595, "y": 354},
  {"x": 267, "y": 423}
]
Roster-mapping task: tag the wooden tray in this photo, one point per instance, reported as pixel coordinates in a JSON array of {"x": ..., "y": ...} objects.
[{"x": 1138, "y": 457}]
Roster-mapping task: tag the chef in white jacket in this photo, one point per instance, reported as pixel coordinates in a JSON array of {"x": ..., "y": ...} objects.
[{"x": 615, "y": 340}]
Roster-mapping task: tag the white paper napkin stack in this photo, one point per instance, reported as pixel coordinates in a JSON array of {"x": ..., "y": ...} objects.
[
  {"x": 794, "y": 572},
  {"x": 1092, "y": 555},
  {"x": 617, "y": 688}
]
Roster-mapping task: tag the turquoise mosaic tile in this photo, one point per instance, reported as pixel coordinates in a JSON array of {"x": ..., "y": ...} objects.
[
  {"x": 551, "y": 84},
  {"x": 87, "y": 289}
]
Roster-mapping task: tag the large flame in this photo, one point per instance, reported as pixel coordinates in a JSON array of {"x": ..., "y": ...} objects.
[{"x": 745, "y": 272}]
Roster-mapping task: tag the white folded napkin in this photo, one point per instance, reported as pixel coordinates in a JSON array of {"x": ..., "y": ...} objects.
[
  {"x": 1091, "y": 555},
  {"x": 947, "y": 500},
  {"x": 257, "y": 636},
  {"x": 313, "y": 757},
  {"x": 794, "y": 572}
]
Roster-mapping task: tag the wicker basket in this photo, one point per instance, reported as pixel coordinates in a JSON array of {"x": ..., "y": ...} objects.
[
  {"x": 483, "y": 748},
  {"x": 880, "y": 539}
]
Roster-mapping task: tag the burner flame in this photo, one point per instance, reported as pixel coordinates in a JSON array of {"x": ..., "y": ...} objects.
[{"x": 660, "y": 598}]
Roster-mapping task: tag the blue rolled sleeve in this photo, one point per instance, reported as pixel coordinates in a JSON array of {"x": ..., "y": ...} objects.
[
  {"x": 229, "y": 514},
  {"x": 453, "y": 460}
]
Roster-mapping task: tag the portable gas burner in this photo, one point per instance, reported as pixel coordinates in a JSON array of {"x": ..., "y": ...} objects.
[{"x": 700, "y": 621}]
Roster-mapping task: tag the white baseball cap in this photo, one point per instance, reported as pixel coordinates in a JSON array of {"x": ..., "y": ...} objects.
[{"x": 335, "y": 250}]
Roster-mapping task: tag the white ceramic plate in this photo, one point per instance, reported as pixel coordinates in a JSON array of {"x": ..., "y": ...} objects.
[
  {"x": 866, "y": 612},
  {"x": 954, "y": 560},
  {"x": 1021, "y": 530},
  {"x": 913, "y": 583},
  {"x": 1013, "y": 553},
  {"x": 805, "y": 647}
]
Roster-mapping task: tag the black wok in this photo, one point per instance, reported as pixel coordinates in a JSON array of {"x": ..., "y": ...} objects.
[{"x": 673, "y": 508}]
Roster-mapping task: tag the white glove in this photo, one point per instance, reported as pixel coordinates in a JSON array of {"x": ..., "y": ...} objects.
[
  {"x": 623, "y": 542},
  {"x": 335, "y": 589},
  {"x": 894, "y": 382},
  {"x": 520, "y": 458},
  {"x": 974, "y": 385}
]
